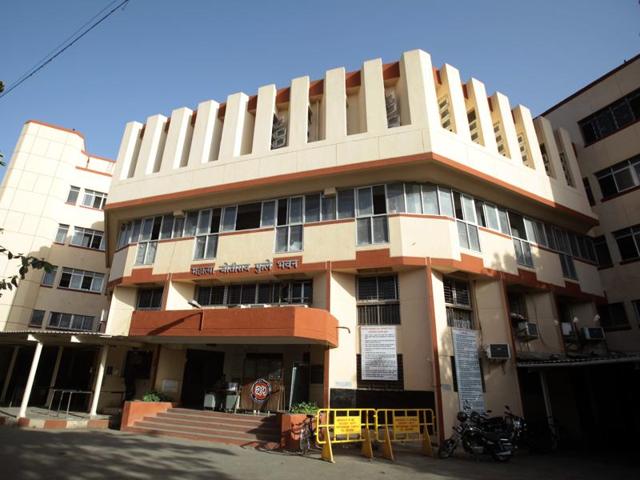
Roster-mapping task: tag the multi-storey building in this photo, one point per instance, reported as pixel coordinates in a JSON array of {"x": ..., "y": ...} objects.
[{"x": 385, "y": 237}]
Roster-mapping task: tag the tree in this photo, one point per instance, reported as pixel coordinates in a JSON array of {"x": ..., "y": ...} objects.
[{"x": 27, "y": 262}]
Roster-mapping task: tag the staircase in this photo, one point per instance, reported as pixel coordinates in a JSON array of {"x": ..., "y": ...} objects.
[{"x": 235, "y": 429}]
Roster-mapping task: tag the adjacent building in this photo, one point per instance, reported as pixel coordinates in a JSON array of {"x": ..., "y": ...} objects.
[{"x": 391, "y": 236}]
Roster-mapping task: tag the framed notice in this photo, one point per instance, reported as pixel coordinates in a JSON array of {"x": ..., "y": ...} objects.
[
  {"x": 465, "y": 349},
  {"x": 378, "y": 353}
]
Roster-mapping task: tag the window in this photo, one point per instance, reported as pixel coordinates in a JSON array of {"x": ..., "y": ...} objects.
[
  {"x": 522, "y": 145},
  {"x": 628, "y": 240},
  {"x": 613, "y": 316},
  {"x": 473, "y": 126},
  {"x": 371, "y": 225},
  {"x": 74, "y": 279},
  {"x": 61, "y": 234},
  {"x": 611, "y": 118},
  {"x": 377, "y": 300},
  {"x": 298, "y": 292},
  {"x": 149, "y": 298},
  {"x": 564, "y": 252},
  {"x": 289, "y": 227},
  {"x": 166, "y": 231},
  {"x": 588, "y": 191},
  {"x": 385, "y": 385},
  {"x": 206, "y": 245},
  {"x": 445, "y": 115},
  {"x": 458, "y": 300},
  {"x": 395, "y": 198},
  {"x": 49, "y": 277},
  {"x": 545, "y": 160},
  {"x": 72, "y": 197},
  {"x": 37, "y": 316},
  {"x": 346, "y": 207},
  {"x": 85, "y": 237},
  {"x": 70, "y": 321},
  {"x": 497, "y": 130},
  {"x": 248, "y": 216},
  {"x": 328, "y": 207},
  {"x": 312, "y": 208},
  {"x": 565, "y": 169},
  {"x": 93, "y": 199},
  {"x": 430, "y": 200},
  {"x": 445, "y": 202},
  {"x": 466, "y": 218},
  {"x": 148, "y": 240},
  {"x": 602, "y": 251},
  {"x": 519, "y": 234},
  {"x": 392, "y": 107},
  {"x": 620, "y": 177}
]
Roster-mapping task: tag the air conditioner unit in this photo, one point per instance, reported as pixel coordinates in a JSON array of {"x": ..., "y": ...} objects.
[
  {"x": 527, "y": 331},
  {"x": 498, "y": 351},
  {"x": 595, "y": 334}
]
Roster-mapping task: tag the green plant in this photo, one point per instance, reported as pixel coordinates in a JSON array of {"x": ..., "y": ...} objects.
[
  {"x": 154, "y": 396},
  {"x": 309, "y": 408}
]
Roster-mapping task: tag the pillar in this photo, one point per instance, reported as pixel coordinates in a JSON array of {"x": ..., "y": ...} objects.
[
  {"x": 30, "y": 380},
  {"x": 373, "y": 85},
  {"x": 7, "y": 379},
  {"x": 98, "y": 382},
  {"x": 54, "y": 374}
]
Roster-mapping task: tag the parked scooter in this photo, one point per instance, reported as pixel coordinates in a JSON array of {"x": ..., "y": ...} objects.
[{"x": 477, "y": 441}]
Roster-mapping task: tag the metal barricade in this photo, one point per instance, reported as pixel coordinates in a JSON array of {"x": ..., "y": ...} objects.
[
  {"x": 345, "y": 425},
  {"x": 404, "y": 425}
]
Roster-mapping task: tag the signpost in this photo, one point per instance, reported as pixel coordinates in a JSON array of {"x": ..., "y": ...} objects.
[
  {"x": 378, "y": 353},
  {"x": 465, "y": 349}
]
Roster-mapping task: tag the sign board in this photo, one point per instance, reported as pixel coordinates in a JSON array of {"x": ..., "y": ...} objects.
[
  {"x": 378, "y": 353},
  {"x": 406, "y": 424},
  {"x": 465, "y": 349},
  {"x": 347, "y": 425},
  {"x": 260, "y": 391}
]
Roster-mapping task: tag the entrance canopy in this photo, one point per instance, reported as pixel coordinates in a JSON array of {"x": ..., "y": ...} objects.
[
  {"x": 557, "y": 361},
  {"x": 61, "y": 337}
]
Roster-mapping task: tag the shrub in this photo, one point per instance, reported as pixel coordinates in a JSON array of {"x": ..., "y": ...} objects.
[
  {"x": 309, "y": 408},
  {"x": 154, "y": 396}
]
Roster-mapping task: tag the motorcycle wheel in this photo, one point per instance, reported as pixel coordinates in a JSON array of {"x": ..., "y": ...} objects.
[
  {"x": 447, "y": 448},
  {"x": 501, "y": 458}
]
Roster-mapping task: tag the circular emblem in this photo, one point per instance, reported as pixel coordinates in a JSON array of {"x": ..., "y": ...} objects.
[{"x": 260, "y": 390}]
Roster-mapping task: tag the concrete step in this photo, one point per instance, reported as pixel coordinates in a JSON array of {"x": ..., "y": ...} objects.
[
  {"x": 214, "y": 424},
  {"x": 227, "y": 439},
  {"x": 235, "y": 417},
  {"x": 218, "y": 420},
  {"x": 221, "y": 430}
]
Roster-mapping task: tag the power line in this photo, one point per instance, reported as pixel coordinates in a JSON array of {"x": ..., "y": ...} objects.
[{"x": 64, "y": 45}]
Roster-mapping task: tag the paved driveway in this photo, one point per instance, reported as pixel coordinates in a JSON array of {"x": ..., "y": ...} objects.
[{"x": 36, "y": 454}]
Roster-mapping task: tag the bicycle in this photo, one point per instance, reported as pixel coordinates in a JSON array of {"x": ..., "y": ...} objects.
[{"x": 307, "y": 435}]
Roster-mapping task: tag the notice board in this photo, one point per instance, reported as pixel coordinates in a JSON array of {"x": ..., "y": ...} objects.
[
  {"x": 378, "y": 353},
  {"x": 465, "y": 349}
]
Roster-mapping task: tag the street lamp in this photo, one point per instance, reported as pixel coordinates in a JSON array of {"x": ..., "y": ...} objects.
[{"x": 197, "y": 306}]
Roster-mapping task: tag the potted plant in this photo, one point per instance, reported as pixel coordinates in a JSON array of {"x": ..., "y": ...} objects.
[
  {"x": 292, "y": 422},
  {"x": 152, "y": 403}
]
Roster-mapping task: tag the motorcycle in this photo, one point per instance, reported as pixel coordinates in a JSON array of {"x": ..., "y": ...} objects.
[{"x": 477, "y": 441}]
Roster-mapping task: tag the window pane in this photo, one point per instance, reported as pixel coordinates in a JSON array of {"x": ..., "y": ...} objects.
[
  {"x": 627, "y": 247},
  {"x": 167, "y": 227},
  {"x": 395, "y": 198},
  {"x": 281, "y": 239},
  {"x": 414, "y": 203},
  {"x": 36, "y": 318},
  {"x": 248, "y": 216},
  {"x": 248, "y": 294},
  {"x": 446, "y": 204},
  {"x": 178, "y": 227},
  {"x": 147, "y": 226},
  {"x": 517, "y": 225},
  {"x": 387, "y": 288},
  {"x": 365, "y": 202},
  {"x": 622, "y": 113},
  {"x": 602, "y": 251},
  {"x": 155, "y": 232},
  {"x": 212, "y": 247},
  {"x": 265, "y": 293},
  {"x": 474, "y": 241},
  {"x": 468, "y": 209},
  {"x": 142, "y": 250},
  {"x": 462, "y": 235},
  {"x": 328, "y": 208},
  {"x": 607, "y": 185},
  {"x": 268, "y": 214},
  {"x": 504, "y": 222},
  {"x": 190, "y": 224},
  {"x": 283, "y": 218},
  {"x": 624, "y": 179},
  {"x": 295, "y": 238},
  {"x": 430, "y": 199},
  {"x": 73, "y": 195},
  {"x": 234, "y": 294},
  {"x": 215, "y": 220},
  {"x": 345, "y": 204},
  {"x": 605, "y": 123},
  {"x": 229, "y": 219},
  {"x": 312, "y": 208},
  {"x": 364, "y": 231},
  {"x": 380, "y": 230},
  {"x": 96, "y": 285},
  {"x": 295, "y": 210},
  {"x": 379, "y": 200},
  {"x": 200, "y": 246},
  {"x": 491, "y": 216},
  {"x": 61, "y": 235},
  {"x": 204, "y": 222},
  {"x": 367, "y": 288},
  {"x": 457, "y": 206},
  {"x": 151, "y": 253},
  {"x": 480, "y": 214}
]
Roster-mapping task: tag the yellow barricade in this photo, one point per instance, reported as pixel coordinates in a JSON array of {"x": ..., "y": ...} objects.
[
  {"x": 405, "y": 425},
  {"x": 345, "y": 425}
]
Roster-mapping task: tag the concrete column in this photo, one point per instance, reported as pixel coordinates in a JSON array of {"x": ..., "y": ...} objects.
[
  {"x": 104, "y": 351},
  {"x": 234, "y": 120},
  {"x": 204, "y": 147},
  {"x": 565, "y": 145},
  {"x": 178, "y": 140},
  {"x": 334, "y": 104},
  {"x": 524, "y": 121},
  {"x": 148, "y": 159},
  {"x": 265, "y": 109},
  {"x": 129, "y": 150},
  {"x": 544, "y": 131},
  {"x": 502, "y": 112},
  {"x": 7, "y": 379},
  {"x": 30, "y": 380},
  {"x": 451, "y": 82},
  {"x": 547, "y": 400},
  {"x": 417, "y": 70},
  {"x": 299, "y": 112},
  {"x": 54, "y": 374},
  {"x": 478, "y": 96},
  {"x": 374, "y": 104}
]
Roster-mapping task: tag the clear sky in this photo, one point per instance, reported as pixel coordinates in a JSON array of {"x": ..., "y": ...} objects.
[{"x": 158, "y": 55}]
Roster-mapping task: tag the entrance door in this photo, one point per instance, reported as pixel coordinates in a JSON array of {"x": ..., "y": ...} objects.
[{"x": 201, "y": 373}]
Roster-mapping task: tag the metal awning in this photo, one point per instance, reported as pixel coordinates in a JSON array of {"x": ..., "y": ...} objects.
[
  {"x": 578, "y": 361},
  {"x": 62, "y": 337}
]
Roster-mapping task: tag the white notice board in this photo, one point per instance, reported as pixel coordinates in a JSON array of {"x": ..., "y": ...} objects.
[
  {"x": 379, "y": 360},
  {"x": 465, "y": 349}
]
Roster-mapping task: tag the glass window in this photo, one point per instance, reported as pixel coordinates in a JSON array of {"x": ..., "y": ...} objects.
[
  {"x": 413, "y": 200},
  {"x": 377, "y": 299},
  {"x": 61, "y": 234},
  {"x": 49, "y": 277},
  {"x": 446, "y": 203},
  {"x": 602, "y": 251},
  {"x": 87, "y": 238},
  {"x": 72, "y": 196},
  {"x": 94, "y": 199},
  {"x": 178, "y": 227},
  {"x": 268, "y": 218},
  {"x": 190, "y": 224},
  {"x": 613, "y": 316},
  {"x": 149, "y": 298},
  {"x": 627, "y": 240},
  {"x": 395, "y": 198},
  {"x": 248, "y": 216},
  {"x": 328, "y": 208},
  {"x": 312, "y": 208},
  {"x": 371, "y": 225},
  {"x": 229, "y": 219},
  {"x": 75, "y": 279},
  {"x": 167, "y": 227},
  {"x": 491, "y": 217},
  {"x": 430, "y": 199},
  {"x": 37, "y": 316},
  {"x": 345, "y": 204}
]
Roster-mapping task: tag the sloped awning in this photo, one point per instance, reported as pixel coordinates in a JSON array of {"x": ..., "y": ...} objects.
[{"x": 578, "y": 361}]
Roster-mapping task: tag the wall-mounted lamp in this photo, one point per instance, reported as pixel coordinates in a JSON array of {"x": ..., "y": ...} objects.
[{"x": 345, "y": 328}]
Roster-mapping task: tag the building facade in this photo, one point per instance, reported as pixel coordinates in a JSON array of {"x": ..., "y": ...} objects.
[{"x": 385, "y": 237}]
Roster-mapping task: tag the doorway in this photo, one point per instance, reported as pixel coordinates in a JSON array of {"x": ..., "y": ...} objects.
[{"x": 202, "y": 371}]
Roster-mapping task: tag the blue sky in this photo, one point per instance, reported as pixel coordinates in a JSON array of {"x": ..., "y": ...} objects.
[{"x": 158, "y": 55}]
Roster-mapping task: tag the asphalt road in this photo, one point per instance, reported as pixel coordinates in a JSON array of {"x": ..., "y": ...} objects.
[{"x": 37, "y": 454}]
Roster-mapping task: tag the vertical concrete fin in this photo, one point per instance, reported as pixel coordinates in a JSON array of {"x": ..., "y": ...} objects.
[
  {"x": 453, "y": 86},
  {"x": 478, "y": 96},
  {"x": 150, "y": 151},
  {"x": 374, "y": 106},
  {"x": 565, "y": 145},
  {"x": 265, "y": 109},
  {"x": 203, "y": 132},
  {"x": 234, "y": 121},
  {"x": 334, "y": 104},
  {"x": 545, "y": 135},
  {"x": 502, "y": 113},
  {"x": 524, "y": 123},
  {"x": 178, "y": 138},
  {"x": 129, "y": 151},
  {"x": 299, "y": 112}
]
